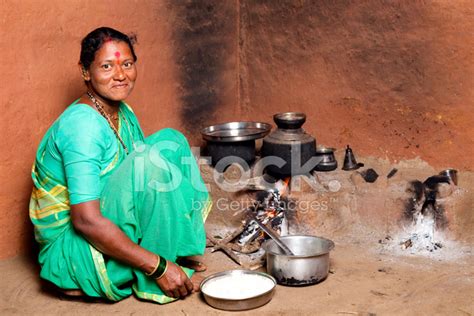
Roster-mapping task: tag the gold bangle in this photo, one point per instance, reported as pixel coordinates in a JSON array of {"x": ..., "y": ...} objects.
[{"x": 156, "y": 267}]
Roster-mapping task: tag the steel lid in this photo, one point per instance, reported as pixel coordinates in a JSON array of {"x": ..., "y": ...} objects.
[{"x": 236, "y": 131}]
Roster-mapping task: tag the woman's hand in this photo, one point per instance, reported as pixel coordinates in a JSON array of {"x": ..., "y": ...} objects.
[
  {"x": 175, "y": 283},
  {"x": 109, "y": 239}
]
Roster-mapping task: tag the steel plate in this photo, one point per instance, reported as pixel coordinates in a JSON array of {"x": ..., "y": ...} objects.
[
  {"x": 240, "y": 304},
  {"x": 236, "y": 131}
]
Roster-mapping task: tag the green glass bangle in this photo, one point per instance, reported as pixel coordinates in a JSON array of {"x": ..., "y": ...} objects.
[
  {"x": 166, "y": 269},
  {"x": 160, "y": 270}
]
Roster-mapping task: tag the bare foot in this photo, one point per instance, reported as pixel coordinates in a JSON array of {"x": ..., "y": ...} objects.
[
  {"x": 75, "y": 293},
  {"x": 197, "y": 279},
  {"x": 192, "y": 263}
]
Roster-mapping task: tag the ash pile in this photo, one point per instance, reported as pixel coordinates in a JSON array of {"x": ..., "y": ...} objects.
[{"x": 425, "y": 216}]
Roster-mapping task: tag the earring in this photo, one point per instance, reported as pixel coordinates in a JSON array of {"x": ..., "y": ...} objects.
[{"x": 84, "y": 74}]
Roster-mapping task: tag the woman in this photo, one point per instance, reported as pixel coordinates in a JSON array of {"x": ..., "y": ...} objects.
[{"x": 113, "y": 212}]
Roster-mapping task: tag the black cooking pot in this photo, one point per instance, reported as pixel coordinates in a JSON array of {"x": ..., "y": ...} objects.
[
  {"x": 290, "y": 143},
  {"x": 242, "y": 153},
  {"x": 328, "y": 160},
  {"x": 233, "y": 142}
]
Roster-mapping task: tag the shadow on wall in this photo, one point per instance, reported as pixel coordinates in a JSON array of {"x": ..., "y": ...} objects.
[
  {"x": 71, "y": 91},
  {"x": 27, "y": 243},
  {"x": 201, "y": 32}
]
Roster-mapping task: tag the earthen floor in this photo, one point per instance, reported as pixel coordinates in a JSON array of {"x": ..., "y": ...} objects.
[{"x": 363, "y": 281}]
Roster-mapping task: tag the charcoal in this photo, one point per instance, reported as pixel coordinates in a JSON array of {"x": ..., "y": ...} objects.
[
  {"x": 392, "y": 173},
  {"x": 369, "y": 175}
]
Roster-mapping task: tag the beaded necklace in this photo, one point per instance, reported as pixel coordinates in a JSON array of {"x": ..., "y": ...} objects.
[{"x": 102, "y": 112}]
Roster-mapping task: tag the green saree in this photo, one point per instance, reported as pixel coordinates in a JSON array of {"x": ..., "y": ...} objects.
[{"x": 155, "y": 195}]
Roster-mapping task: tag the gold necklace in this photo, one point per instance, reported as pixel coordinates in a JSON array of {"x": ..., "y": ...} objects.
[
  {"x": 102, "y": 112},
  {"x": 128, "y": 127}
]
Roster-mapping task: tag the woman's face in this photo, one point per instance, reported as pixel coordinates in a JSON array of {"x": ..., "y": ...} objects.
[{"x": 112, "y": 74}]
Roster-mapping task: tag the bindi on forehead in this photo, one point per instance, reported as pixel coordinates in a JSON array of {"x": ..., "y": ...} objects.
[{"x": 117, "y": 55}]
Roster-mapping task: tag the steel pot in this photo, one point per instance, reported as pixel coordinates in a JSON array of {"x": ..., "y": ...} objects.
[{"x": 309, "y": 265}]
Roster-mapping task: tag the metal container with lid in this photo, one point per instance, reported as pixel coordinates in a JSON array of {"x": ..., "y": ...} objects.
[
  {"x": 290, "y": 143},
  {"x": 328, "y": 160}
]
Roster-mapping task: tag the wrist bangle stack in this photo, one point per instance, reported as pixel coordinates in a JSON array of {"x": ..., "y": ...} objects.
[{"x": 159, "y": 270}]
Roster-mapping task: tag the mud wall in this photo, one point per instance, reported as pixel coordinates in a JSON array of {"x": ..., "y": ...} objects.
[
  {"x": 186, "y": 65},
  {"x": 394, "y": 80}
]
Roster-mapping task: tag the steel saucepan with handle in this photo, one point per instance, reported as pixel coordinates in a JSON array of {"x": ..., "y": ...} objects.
[{"x": 308, "y": 265}]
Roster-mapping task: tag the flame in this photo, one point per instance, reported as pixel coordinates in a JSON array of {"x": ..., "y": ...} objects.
[
  {"x": 271, "y": 213},
  {"x": 285, "y": 184}
]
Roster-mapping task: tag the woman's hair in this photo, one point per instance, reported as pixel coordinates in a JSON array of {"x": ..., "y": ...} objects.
[{"x": 95, "y": 39}]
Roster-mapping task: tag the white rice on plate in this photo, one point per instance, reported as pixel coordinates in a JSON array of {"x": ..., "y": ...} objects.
[{"x": 236, "y": 286}]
